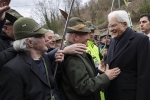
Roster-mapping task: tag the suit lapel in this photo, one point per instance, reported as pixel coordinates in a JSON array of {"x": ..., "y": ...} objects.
[
  {"x": 123, "y": 43},
  {"x": 34, "y": 67},
  {"x": 120, "y": 49},
  {"x": 110, "y": 51}
]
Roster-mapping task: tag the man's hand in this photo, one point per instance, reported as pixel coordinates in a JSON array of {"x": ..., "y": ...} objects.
[
  {"x": 59, "y": 56},
  {"x": 4, "y": 6},
  {"x": 77, "y": 48},
  {"x": 112, "y": 73},
  {"x": 7, "y": 1},
  {"x": 101, "y": 66}
]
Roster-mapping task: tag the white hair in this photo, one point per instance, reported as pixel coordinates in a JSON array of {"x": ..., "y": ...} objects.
[
  {"x": 21, "y": 45},
  {"x": 67, "y": 36},
  {"x": 121, "y": 15},
  {"x": 51, "y": 31}
]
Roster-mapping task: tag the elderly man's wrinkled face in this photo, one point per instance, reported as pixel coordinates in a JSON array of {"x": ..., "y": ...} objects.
[
  {"x": 145, "y": 25},
  {"x": 50, "y": 40},
  {"x": 116, "y": 28},
  {"x": 39, "y": 44}
]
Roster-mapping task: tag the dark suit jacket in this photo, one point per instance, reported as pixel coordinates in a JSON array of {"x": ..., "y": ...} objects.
[
  {"x": 132, "y": 56},
  {"x": 20, "y": 79}
]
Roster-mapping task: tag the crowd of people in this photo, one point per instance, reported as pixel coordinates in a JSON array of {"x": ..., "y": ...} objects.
[{"x": 111, "y": 66}]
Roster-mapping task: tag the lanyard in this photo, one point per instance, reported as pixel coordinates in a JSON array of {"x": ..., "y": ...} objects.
[{"x": 47, "y": 76}]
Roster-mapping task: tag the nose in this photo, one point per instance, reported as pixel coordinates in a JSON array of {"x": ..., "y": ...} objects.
[
  {"x": 141, "y": 24},
  {"x": 53, "y": 39}
]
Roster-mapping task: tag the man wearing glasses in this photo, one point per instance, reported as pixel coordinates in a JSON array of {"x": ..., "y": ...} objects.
[{"x": 130, "y": 51}]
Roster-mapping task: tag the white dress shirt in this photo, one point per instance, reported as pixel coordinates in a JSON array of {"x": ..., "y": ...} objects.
[{"x": 149, "y": 36}]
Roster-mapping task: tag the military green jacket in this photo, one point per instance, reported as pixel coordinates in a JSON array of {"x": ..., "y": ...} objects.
[{"x": 79, "y": 79}]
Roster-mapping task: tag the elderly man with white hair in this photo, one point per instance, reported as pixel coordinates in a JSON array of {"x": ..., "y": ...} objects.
[
  {"x": 130, "y": 51},
  {"x": 28, "y": 76},
  {"x": 50, "y": 40}
]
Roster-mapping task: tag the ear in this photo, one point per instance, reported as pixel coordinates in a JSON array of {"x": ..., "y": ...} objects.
[
  {"x": 29, "y": 43},
  {"x": 5, "y": 28},
  {"x": 75, "y": 37}
]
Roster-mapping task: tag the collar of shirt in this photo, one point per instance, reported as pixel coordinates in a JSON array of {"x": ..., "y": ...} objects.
[{"x": 148, "y": 35}]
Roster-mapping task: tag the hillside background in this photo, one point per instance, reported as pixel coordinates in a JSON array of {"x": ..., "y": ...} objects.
[{"x": 95, "y": 11}]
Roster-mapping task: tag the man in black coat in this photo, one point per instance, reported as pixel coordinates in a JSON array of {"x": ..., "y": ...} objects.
[
  {"x": 130, "y": 51},
  {"x": 29, "y": 76}
]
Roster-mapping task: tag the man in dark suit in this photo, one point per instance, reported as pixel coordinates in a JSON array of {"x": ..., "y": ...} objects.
[
  {"x": 145, "y": 24},
  {"x": 28, "y": 76},
  {"x": 130, "y": 51}
]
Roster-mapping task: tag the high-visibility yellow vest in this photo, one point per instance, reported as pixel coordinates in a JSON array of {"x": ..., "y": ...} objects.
[{"x": 92, "y": 49}]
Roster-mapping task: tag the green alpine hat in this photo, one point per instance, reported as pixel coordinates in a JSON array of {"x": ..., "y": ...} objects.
[
  {"x": 89, "y": 25},
  {"x": 58, "y": 37},
  {"x": 11, "y": 16},
  {"x": 105, "y": 33},
  {"x": 26, "y": 27},
  {"x": 77, "y": 25}
]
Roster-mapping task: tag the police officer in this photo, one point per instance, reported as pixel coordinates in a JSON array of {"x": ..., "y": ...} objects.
[{"x": 7, "y": 36}]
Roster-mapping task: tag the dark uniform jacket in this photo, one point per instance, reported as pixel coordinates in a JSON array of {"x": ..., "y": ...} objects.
[
  {"x": 21, "y": 79},
  {"x": 79, "y": 78},
  {"x": 132, "y": 56},
  {"x": 1, "y": 25},
  {"x": 5, "y": 41}
]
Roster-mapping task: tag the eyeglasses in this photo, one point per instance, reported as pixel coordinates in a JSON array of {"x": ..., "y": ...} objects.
[{"x": 114, "y": 25}]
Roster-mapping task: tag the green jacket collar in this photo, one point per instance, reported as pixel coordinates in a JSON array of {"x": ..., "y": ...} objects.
[{"x": 68, "y": 43}]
